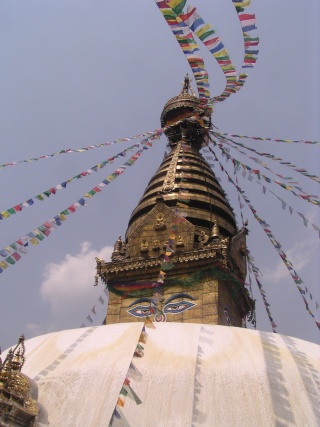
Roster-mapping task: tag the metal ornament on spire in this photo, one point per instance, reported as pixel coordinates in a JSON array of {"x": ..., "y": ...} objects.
[
  {"x": 185, "y": 118},
  {"x": 186, "y": 86},
  {"x": 18, "y": 392}
]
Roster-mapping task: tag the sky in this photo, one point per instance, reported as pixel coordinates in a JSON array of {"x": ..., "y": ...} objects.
[{"x": 78, "y": 73}]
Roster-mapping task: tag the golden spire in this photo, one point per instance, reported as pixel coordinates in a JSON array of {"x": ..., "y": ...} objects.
[
  {"x": 15, "y": 389},
  {"x": 182, "y": 231}
]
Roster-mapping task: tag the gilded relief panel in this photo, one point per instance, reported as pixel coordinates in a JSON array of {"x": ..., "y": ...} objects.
[{"x": 149, "y": 239}]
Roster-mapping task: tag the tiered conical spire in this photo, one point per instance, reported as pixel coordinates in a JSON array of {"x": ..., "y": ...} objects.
[{"x": 184, "y": 172}]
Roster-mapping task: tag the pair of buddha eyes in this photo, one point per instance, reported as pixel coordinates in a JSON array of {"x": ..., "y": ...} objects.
[{"x": 170, "y": 306}]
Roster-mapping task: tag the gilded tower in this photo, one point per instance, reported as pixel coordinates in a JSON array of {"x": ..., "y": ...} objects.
[{"x": 182, "y": 258}]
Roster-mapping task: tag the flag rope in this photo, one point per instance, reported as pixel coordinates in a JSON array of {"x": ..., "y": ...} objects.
[
  {"x": 63, "y": 185},
  {"x": 296, "y": 278},
  {"x": 84, "y": 149},
  {"x": 259, "y": 138},
  {"x": 309, "y": 198},
  {"x": 271, "y": 157},
  {"x": 11, "y": 253}
]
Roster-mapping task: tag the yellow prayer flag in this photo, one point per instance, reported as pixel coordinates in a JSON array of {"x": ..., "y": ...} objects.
[
  {"x": 222, "y": 52},
  {"x": 3, "y": 265},
  {"x": 243, "y": 4},
  {"x": 203, "y": 30},
  {"x": 174, "y": 3},
  {"x": 120, "y": 402},
  {"x": 34, "y": 241},
  {"x": 5, "y": 214}
]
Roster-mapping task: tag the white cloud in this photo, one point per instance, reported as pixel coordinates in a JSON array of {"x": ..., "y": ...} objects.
[{"x": 69, "y": 288}]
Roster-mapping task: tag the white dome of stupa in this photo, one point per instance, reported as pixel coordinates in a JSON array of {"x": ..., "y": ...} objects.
[{"x": 183, "y": 374}]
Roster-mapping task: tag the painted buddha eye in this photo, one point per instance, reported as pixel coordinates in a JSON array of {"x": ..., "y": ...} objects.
[
  {"x": 140, "y": 311},
  {"x": 178, "y": 307}
]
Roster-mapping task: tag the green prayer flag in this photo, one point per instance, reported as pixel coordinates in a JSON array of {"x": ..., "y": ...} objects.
[
  {"x": 178, "y": 8},
  {"x": 10, "y": 260},
  {"x": 206, "y": 34},
  {"x": 40, "y": 237},
  {"x": 124, "y": 391}
]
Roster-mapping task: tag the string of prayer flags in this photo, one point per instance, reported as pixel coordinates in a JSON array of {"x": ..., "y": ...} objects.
[
  {"x": 272, "y": 157},
  {"x": 45, "y": 229},
  {"x": 259, "y": 138},
  {"x": 188, "y": 45},
  {"x": 266, "y": 228},
  {"x": 309, "y": 198},
  {"x": 89, "y": 318},
  {"x": 248, "y": 23},
  {"x": 63, "y": 185},
  {"x": 291, "y": 210},
  {"x": 256, "y": 272},
  {"x": 251, "y": 267},
  {"x": 264, "y": 189},
  {"x": 214, "y": 44},
  {"x": 153, "y": 133},
  {"x": 126, "y": 388}
]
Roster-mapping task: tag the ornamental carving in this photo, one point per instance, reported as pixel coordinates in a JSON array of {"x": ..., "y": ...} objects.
[
  {"x": 160, "y": 225},
  {"x": 110, "y": 268},
  {"x": 168, "y": 184}
]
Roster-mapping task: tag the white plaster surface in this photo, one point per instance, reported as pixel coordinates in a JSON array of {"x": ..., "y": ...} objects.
[{"x": 192, "y": 375}]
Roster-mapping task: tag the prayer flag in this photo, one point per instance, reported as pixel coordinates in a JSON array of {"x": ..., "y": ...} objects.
[
  {"x": 10, "y": 260},
  {"x": 177, "y": 5},
  {"x": 120, "y": 402},
  {"x": 16, "y": 256},
  {"x": 132, "y": 394},
  {"x": 3, "y": 265}
]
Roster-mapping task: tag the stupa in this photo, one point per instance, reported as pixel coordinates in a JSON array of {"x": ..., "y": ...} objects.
[{"x": 174, "y": 351}]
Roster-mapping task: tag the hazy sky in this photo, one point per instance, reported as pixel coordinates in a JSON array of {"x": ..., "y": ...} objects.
[{"x": 77, "y": 73}]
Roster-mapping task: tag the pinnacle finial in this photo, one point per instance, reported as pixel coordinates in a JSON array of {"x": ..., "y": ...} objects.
[{"x": 186, "y": 85}]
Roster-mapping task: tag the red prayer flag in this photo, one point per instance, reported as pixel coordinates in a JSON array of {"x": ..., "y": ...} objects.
[{"x": 16, "y": 256}]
